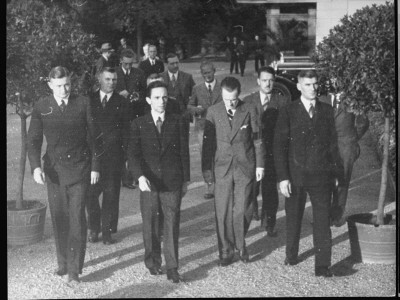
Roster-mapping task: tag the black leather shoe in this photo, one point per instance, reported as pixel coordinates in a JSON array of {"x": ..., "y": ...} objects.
[
  {"x": 73, "y": 278},
  {"x": 208, "y": 196},
  {"x": 173, "y": 275},
  {"x": 225, "y": 261},
  {"x": 93, "y": 236},
  {"x": 291, "y": 262},
  {"x": 60, "y": 271},
  {"x": 323, "y": 271},
  {"x": 107, "y": 240},
  {"x": 256, "y": 217},
  {"x": 244, "y": 255},
  {"x": 271, "y": 232},
  {"x": 155, "y": 271}
]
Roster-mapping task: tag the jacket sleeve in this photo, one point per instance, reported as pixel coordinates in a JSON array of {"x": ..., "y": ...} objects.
[
  {"x": 95, "y": 138},
  {"x": 257, "y": 137},
  {"x": 135, "y": 154},
  {"x": 125, "y": 126},
  {"x": 362, "y": 124},
  {"x": 281, "y": 145},
  {"x": 193, "y": 102},
  {"x": 35, "y": 139},
  {"x": 209, "y": 148},
  {"x": 184, "y": 149},
  {"x": 337, "y": 165}
]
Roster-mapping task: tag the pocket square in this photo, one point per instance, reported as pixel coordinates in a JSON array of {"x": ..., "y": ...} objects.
[{"x": 244, "y": 127}]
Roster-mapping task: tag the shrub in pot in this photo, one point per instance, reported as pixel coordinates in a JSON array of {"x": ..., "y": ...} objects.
[{"x": 360, "y": 54}]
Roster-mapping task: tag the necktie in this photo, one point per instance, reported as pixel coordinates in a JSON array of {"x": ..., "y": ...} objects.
[
  {"x": 159, "y": 124},
  {"x": 265, "y": 104},
  {"x": 173, "y": 80},
  {"x": 62, "y": 105},
  {"x": 209, "y": 89},
  {"x": 311, "y": 111},
  {"x": 104, "y": 101},
  {"x": 230, "y": 116},
  {"x": 152, "y": 62}
]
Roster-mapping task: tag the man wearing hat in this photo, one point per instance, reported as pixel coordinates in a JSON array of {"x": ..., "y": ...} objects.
[{"x": 104, "y": 60}]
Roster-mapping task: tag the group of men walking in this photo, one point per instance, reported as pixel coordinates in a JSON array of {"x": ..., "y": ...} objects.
[{"x": 138, "y": 123}]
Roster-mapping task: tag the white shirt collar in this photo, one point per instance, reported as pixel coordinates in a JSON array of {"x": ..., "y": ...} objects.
[
  {"x": 307, "y": 103},
  {"x": 102, "y": 94},
  {"x": 155, "y": 116},
  {"x": 104, "y": 57},
  {"x": 58, "y": 99},
  {"x": 212, "y": 84},
  {"x": 124, "y": 70},
  {"x": 170, "y": 75}
]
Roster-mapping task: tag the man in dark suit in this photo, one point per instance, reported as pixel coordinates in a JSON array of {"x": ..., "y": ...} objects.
[
  {"x": 242, "y": 56},
  {"x": 307, "y": 161},
  {"x": 234, "y": 55},
  {"x": 268, "y": 103},
  {"x": 70, "y": 165},
  {"x": 233, "y": 154},
  {"x": 180, "y": 85},
  {"x": 349, "y": 128},
  {"x": 152, "y": 64},
  {"x": 110, "y": 112},
  {"x": 123, "y": 45},
  {"x": 131, "y": 85},
  {"x": 258, "y": 47},
  {"x": 159, "y": 159},
  {"x": 104, "y": 60},
  {"x": 204, "y": 95}
]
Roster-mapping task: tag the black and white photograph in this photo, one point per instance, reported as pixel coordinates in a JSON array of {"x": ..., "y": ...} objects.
[{"x": 201, "y": 148}]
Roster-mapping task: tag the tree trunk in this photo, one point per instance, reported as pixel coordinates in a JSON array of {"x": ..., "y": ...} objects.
[
  {"x": 139, "y": 36},
  {"x": 22, "y": 159},
  {"x": 382, "y": 192}
]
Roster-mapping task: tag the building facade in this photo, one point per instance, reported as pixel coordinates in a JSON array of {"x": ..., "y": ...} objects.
[{"x": 301, "y": 24}]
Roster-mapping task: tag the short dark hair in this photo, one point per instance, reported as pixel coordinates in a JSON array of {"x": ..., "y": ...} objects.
[
  {"x": 151, "y": 45},
  {"x": 171, "y": 55},
  {"x": 230, "y": 84},
  {"x": 152, "y": 77},
  {"x": 107, "y": 69},
  {"x": 266, "y": 69},
  {"x": 206, "y": 63},
  {"x": 59, "y": 72},
  {"x": 155, "y": 84},
  {"x": 307, "y": 74},
  {"x": 127, "y": 53}
]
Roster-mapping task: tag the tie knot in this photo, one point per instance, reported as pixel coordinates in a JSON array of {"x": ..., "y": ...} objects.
[
  {"x": 311, "y": 110},
  {"x": 62, "y": 105},
  {"x": 104, "y": 101}
]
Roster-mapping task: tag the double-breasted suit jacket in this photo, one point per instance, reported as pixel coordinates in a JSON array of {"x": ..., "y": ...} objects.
[
  {"x": 164, "y": 160},
  {"x": 305, "y": 153},
  {"x": 134, "y": 82},
  {"x": 182, "y": 90},
  {"x": 349, "y": 129},
  {"x": 267, "y": 119},
  {"x": 232, "y": 152},
  {"x": 73, "y": 150},
  {"x": 69, "y": 157},
  {"x": 114, "y": 123},
  {"x": 149, "y": 69}
]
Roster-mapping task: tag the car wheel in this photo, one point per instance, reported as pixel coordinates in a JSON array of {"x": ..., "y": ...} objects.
[{"x": 282, "y": 90}]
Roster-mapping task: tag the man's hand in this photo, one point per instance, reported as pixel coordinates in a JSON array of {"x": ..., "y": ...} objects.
[
  {"x": 259, "y": 173},
  {"x": 94, "y": 177},
  {"x": 184, "y": 188},
  {"x": 199, "y": 110},
  {"x": 38, "y": 176},
  {"x": 286, "y": 188},
  {"x": 144, "y": 184},
  {"x": 336, "y": 182},
  {"x": 124, "y": 93}
]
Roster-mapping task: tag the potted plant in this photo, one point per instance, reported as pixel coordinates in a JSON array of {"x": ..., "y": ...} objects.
[
  {"x": 360, "y": 54},
  {"x": 39, "y": 36}
]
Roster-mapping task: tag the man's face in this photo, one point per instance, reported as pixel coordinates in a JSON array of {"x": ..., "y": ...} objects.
[
  {"x": 61, "y": 87},
  {"x": 208, "y": 73},
  {"x": 256, "y": 37},
  {"x": 158, "y": 99},
  {"x": 107, "y": 54},
  {"x": 230, "y": 98},
  {"x": 266, "y": 82},
  {"x": 123, "y": 42},
  {"x": 107, "y": 81},
  {"x": 173, "y": 64},
  {"x": 308, "y": 87},
  {"x": 152, "y": 52},
  {"x": 127, "y": 62}
]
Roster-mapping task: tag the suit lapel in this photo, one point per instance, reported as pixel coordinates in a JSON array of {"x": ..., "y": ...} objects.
[
  {"x": 222, "y": 118},
  {"x": 152, "y": 129},
  {"x": 238, "y": 118},
  {"x": 215, "y": 93},
  {"x": 166, "y": 133}
]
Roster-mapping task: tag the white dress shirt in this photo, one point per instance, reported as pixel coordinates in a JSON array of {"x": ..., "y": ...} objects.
[
  {"x": 265, "y": 98},
  {"x": 170, "y": 75},
  {"x": 212, "y": 84},
  {"x": 307, "y": 103},
  {"x": 102, "y": 94},
  {"x": 155, "y": 116},
  {"x": 59, "y": 100}
]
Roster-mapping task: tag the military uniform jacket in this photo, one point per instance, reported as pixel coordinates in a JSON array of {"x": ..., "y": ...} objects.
[{"x": 73, "y": 139}]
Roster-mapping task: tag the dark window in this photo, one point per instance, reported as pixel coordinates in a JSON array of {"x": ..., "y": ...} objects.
[{"x": 295, "y": 8}]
